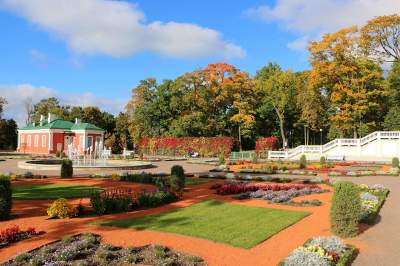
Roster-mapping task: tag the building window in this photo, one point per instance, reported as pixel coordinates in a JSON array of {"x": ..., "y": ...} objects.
[
  {"x": 81, "y": 142},
  {"x": 22, "y": 140},
  {"x": 36, "y": 141},
  {"x": 97, "y": 140},
  {"x": 29, "y": 140},
  {"x": 44, "y": 141},
  {"x": 89, "y": 141}
]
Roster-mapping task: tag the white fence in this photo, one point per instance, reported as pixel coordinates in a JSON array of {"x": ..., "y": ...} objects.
[{"x": 380, "y": 144}]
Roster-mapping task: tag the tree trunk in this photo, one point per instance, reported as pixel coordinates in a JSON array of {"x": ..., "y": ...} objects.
[
  {"x": 240, "y": 139},
  {"x": 282, "y": 129}
]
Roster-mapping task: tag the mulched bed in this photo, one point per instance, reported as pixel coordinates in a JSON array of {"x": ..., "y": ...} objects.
[{"x": 87, "y": 249}]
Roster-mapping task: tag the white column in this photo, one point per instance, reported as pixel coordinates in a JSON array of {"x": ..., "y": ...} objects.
[
  {"x": 50, "y": 140},
  {"x": 19, "y": 141}
]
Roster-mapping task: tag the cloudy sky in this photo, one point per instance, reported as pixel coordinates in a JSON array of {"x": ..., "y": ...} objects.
[{"x": 92, "y": 52}]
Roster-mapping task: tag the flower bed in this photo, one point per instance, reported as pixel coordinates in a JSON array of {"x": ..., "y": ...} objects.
[
  {"x": 322, "y": 251},
  {"x": 372, "y": 200},
  {"x": 237, "y": 187},
  {"x": 14, "y": 234},
  {"x": 285, "y": 196},
  {"x": 87, "y": 249}
]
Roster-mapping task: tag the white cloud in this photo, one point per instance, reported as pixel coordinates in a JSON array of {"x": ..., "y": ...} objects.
[
  {"x": 311, "y": 18},
  {"x": 118, "y": 28},
  {"x": 17, "y": 94}
]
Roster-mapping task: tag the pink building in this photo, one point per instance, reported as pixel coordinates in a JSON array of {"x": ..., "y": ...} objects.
[{"x": 53, "y": 134}]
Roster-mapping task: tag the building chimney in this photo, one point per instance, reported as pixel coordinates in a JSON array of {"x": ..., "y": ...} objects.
[
  {"x": 41, "y": 120},
  {"x": 77, "y": 121}
]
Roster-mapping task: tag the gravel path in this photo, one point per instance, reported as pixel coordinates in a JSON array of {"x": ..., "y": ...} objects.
[{"x": 381, "y": 241}]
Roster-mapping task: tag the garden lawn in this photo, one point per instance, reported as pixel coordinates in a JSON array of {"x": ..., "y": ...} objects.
[
  {"x": 195, "y": 181},
  {"x": 52, "y": 191},
  {"x": 233, "y": 224}
]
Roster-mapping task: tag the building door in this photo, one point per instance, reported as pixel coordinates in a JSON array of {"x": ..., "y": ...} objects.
[{"x": 67, "y": 140}]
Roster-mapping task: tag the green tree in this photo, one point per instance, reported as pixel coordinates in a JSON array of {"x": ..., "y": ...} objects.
[
  {"x": 280, "y": 89},
  {"x": 49, "y": 105}
]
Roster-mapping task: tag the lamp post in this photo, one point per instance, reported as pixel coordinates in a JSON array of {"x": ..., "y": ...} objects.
[{"x": 320, "y": 130}]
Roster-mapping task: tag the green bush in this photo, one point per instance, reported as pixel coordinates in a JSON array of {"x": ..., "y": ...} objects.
[
  {"x": 177, "y": 179},
  {"x": 5, "y": 197},
  {"x": 111, "y": 203},
  {"x": 303, "y": 161},
  {"x": 144, "y": 178},
  {"x": 346, "y": 209},
  {"x": 322, "y": 160},
  {"x": 395, "y": 162},
  {"x": 221, "y": 158},
  {"x": 66, "y": 168},
  {"x": 155, "y": 199},
  {"x": 254, "y": 158}
]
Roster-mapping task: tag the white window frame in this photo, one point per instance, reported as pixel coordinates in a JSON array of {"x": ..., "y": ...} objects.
[
  {"x": 36, "y": 140},
  {"x": 29, "y": 141},
  {"x": 44, "y": 141},
  {"x": 21, "y": 141}
]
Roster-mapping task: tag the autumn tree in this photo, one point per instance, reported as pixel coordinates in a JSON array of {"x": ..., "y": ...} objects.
[
  {"x": 234, "y": 94},
  {"x": 354, "y": 83},
  {"x": 381, "y": 37}
]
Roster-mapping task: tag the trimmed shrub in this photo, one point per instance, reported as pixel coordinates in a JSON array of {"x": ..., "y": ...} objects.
[
  {"x": 66, "y": 168},
  {"x": 5, "y": 197},
  {"x": 346, "y": 209},
  {"x": 221, "y": 158},
  {"x": 303, "y": 161},
  {"x": 155, "y": 199},
  {"x": 395, "y": 162},
  {"x": 254, "y": 158},
  {"x": 111, "y": 202},
  {"x": 177, "y": 179},
  {"x": 322, "y": 160},
  {"x": 60, "y": 208}
]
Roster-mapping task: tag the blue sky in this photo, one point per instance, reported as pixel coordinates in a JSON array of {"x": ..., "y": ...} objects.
[{"x": 94, "y": 51}]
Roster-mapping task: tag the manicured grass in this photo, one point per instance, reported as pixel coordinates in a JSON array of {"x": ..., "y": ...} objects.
[
  {"x": 52, "y": 191},
  {"x": 195, "y": 181},
  {"x": 233, "y": 224}
]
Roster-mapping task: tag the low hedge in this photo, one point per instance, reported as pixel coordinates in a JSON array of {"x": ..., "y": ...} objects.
[{"x": 155, "y": 199}]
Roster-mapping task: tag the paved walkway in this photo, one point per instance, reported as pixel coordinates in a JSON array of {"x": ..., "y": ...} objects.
[
  {"x": 11, "y": 166},
  {"x": 381, "y": 241}
]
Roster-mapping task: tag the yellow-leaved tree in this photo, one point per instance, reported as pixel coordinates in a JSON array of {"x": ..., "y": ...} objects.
[{"x": 353, "y": 82}]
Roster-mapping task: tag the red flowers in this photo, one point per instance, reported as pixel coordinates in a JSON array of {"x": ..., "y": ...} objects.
[
  {"x": 14, "y": 233},
  {"x": 237, "y": 188},
  {"x": 205, "y": 146},
  {"x": 266, "y": 144}
]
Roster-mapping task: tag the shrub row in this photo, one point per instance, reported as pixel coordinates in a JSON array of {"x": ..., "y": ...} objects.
[
  {"x": 14, "y": 234},
  {"x": 5, "y": 197}
]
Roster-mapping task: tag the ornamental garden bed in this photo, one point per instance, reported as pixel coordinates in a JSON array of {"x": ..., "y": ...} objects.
[
  {"x": 14, "y": 234},
  {"x": 87, "y": 249},
  {"x": 52, "y": 191},
  {"x": 372, "y": 200},
  {"x": 324, "y": 251},
  {"x": 233, "y": 224}
]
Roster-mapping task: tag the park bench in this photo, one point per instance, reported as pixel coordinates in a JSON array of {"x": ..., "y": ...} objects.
[{"x": 335, "y": 157}]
